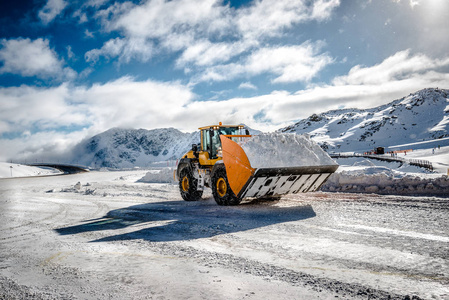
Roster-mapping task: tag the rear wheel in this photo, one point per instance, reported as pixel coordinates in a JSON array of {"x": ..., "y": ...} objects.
[
  {"x": 187, "y": 185},
  {"x": 221, "y": 190}
]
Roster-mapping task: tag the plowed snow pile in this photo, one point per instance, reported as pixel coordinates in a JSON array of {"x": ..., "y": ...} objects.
[
  {"x": 159, "y": 176},
  {"x": 382, "y": 180},
  {"x": 277, "y": 150}
]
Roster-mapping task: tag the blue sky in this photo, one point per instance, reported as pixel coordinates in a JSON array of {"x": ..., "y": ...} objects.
[{"x": 72, "y": 69}]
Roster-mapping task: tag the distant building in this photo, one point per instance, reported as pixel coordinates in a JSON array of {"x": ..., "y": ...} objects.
[{"x": 379, "y": 150}]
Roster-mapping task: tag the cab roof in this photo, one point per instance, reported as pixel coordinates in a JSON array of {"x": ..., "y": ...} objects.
[{"x": 220, "y": 126}]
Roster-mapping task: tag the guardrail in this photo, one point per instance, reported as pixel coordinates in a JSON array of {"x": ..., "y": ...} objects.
[
  {"x": 65, "y": 168},
  {"x": 421, "y": 163}
]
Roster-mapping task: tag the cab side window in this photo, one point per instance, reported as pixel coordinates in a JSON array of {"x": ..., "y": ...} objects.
[
  {"x": 216, "y": 143},
  {"x": 205, "y": 143}
]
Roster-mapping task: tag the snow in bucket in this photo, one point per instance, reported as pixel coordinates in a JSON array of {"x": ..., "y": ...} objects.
[{"x": 278, "y": 150}]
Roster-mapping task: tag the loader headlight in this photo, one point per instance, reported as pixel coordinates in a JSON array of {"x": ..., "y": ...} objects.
[{"x": 219, "y": 152}]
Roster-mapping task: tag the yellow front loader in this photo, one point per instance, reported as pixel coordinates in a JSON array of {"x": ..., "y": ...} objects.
[{"x": 221, "y": 163}]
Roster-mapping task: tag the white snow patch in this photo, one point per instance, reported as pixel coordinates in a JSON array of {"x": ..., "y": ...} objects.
[
  {"x": 418, "y": 235},
  {"x": 277, "y": 150},
  {"x": 436, "y": 141},
  {"x": 164, "y": 175},
  {"x": 441, "y": 125}
]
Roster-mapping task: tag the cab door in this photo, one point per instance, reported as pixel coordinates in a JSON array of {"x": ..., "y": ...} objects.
[
  {"x": 204, "y": 155},
  {"x": 210, "y": 142}
]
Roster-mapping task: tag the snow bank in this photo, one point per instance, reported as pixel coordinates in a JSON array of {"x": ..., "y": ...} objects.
[
  {"x": 271, "y": 150},
  {"x": 164, "y": 175},
  {"x": 382, "y": 180},
  {"x": 16, "y": 170}
]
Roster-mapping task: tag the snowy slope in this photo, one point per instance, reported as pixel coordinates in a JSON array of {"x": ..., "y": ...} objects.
[
  {"x": 421, "y": 116},
  {"x": 127, "y": 148},
  {"x": 17, "y": 170}
]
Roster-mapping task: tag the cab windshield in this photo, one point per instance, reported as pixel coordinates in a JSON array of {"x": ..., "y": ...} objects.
[
  {"x": 228, "y": 131},
  {"x": 211, "y": 138}
]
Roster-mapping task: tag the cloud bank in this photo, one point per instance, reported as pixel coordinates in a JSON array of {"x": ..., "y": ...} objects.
[
  {"x": 129, "y": 103},
  {"x": 209, "y": 36},
  {"x": 266, "y": 63}
]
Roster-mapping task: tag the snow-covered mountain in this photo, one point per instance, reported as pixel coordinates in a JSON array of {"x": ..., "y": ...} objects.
[
  {"x": 127, "y": 148},
  {"x": 421, "y": 116}
]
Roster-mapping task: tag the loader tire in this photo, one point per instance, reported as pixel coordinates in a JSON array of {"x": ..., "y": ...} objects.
[
  {"x": 188, "y": 184},
  {"x": 221, "y": 190}
]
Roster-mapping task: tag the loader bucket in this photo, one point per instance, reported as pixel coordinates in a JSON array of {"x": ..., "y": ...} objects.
[{"x": 247, "y": 181}]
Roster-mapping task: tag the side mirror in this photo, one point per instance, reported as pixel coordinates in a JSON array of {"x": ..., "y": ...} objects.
[{"x": 247, "y": 131}]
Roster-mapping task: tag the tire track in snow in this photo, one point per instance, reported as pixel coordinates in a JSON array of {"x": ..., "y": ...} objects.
[
  {"x": 273, "y": 272},
  {"x": 61, "y": 214},
  {"x": 62, "y": 209}
]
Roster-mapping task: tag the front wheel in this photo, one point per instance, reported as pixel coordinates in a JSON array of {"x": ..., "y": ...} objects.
[
  {"x": 221, "y": 190},
  {"x": 188, "y": 184}
]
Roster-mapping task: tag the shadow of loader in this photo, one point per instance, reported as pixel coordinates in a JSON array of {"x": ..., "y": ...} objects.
[{"x": 180, "y": 220}]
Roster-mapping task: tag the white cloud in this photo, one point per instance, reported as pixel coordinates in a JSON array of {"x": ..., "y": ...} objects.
[
  {"x": 125, "y": 49},
  {"x": 366, "y": 87},
  {"x": 247, "y": 85},
  {"x": 95, "y": 3},
  {"x": 82, "y": 16},
  {"x": 129, "y": 103},
  {"x": 412, "y": 3},
  {"x": 156, "y": 19},
  {"x": 51, "y": 10},
  {"x": 123, "y": 102},
  {"x": 70, "y": 54},
  {"x": 399, "y": 66},
  {"x": 173, "y": 25},
  {"x": 88, "y": 34},
  {"x": 45, "y": 108},
  {"x": 48, "y": 146},
  {"x": 205, "y": 53},
  {"x": 292, "y": 64},
  {"x": 287, "y": 63},
  {"x": 206, "y": 32},
  {"x": 323, "y": 9},
  {"x": 54, "y": 113},
  {"x": 271, "y": 17},
  {"x": 32, "y": 58}
]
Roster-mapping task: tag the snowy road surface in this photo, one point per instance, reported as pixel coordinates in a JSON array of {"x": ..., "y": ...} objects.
[{"x": 114, "y": 238}]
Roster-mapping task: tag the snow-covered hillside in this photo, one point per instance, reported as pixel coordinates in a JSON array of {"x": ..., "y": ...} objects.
[
  {"x": 127, "y": 148},
  {"x": 421, "y": 116},
  {"x": 17, "y": 170}
]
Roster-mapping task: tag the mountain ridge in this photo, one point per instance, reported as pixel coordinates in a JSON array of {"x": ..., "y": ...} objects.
[
  {"x": 126, "y": 148},
  {"x": 420, "y": 116}
]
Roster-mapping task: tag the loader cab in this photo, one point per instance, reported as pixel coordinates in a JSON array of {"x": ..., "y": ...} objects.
[{"x": 210, "y": 151}]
